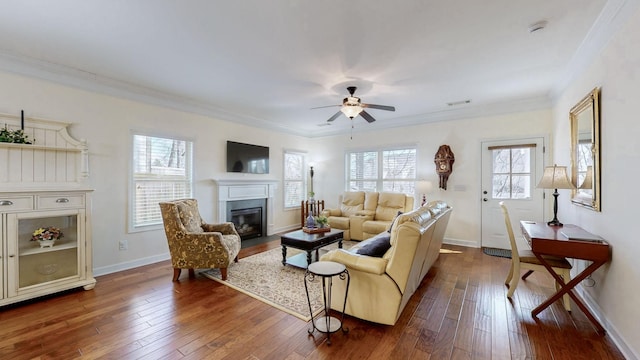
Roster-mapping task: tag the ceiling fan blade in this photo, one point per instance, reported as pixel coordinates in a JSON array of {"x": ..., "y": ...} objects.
[
  {"x": 379, "y": 107},
  {"x": 322, "y": 107},
  {"x": 335, "y": 116},
  {"x": 367, "y": 116}
]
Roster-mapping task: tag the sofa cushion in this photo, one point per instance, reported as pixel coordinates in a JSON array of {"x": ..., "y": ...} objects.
[
  {"x": 352, "y": 202},
  {"x": 372, "y": 227},
  {"x": 338, "y": 222},
  {"x": 389, "y": 204},
  {"x": 377, "y": 246}
]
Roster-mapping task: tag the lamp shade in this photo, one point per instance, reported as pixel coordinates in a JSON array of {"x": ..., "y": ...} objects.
[
  {"x": 555, "y": 177},
  {"x": 587, "y": 183}
]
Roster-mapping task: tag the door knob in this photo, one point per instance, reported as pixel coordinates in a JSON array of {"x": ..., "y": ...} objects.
[{"x": 485, "y": 199}]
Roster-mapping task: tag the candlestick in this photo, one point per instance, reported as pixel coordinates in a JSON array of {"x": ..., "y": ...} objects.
[{"x": 22, "y": 119}]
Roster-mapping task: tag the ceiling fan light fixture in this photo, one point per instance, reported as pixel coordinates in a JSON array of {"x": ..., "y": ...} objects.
[{"x": 351, "y": 111}]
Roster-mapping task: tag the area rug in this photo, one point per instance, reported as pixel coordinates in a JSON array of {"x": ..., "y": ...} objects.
[
  {"x": 263, "y": 277},
  {"x": 497, "y": 252}
]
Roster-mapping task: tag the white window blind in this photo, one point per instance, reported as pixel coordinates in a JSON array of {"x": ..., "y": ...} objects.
[
  {"x": 382, "y": 170},
  {"x": 161, "y": 170},
  {"x": 294, "y": 178}
]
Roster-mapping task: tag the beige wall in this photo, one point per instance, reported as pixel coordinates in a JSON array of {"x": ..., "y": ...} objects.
[
  {"x": 615, "y": 295},
  {"x": 464, "y": 136},
  {"x": 106, "y": 123}
]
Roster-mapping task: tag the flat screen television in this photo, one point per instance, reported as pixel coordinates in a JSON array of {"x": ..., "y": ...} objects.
[{"x": 247, "y": 158}]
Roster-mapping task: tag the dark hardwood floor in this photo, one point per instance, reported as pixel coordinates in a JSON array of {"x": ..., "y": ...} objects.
[{"x": 459, "y": 312}]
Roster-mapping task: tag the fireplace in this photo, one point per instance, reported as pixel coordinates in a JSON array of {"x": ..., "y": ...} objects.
[
  {"x": 232, "y": 194},
  {"x": 248, "y": 216}
]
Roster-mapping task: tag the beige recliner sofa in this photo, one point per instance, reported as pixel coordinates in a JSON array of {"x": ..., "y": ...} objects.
[
  {"x": 364, "y": 214},
  {"x": 381, "y": 286}
]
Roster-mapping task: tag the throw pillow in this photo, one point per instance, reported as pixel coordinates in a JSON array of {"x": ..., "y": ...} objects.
[
  {"x": 190, "y": 219},
  {"x": 394, "y": 220},
  {"x": 376, "y": 246}
]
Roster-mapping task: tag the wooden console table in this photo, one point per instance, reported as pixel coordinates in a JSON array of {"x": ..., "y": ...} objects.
[{"x": 552, "y": 240}]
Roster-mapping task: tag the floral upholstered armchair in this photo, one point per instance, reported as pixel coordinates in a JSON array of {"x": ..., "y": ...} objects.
[{"x": 194, "y": 244}]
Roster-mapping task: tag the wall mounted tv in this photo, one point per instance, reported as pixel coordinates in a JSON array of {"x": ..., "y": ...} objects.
[{"x": 247, "y": 158}]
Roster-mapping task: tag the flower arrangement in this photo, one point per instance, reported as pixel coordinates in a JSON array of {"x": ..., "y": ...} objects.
[
  {"x": 322, "y": 221},
  {"x": 46, "y": 233}
]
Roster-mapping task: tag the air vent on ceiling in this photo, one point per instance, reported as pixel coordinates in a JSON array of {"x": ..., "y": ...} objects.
[
  {"x": 461, "y": 102},
  {"x": 537, "y": 26}
]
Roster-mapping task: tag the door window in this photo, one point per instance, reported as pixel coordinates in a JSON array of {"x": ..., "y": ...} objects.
[{"x": 511, "y": 171}]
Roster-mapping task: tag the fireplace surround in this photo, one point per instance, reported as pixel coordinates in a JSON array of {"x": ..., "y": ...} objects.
[{"x": 234, "y": 190}]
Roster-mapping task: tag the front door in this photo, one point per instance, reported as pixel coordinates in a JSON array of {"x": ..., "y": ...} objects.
[{"x": 511, "y": 170}]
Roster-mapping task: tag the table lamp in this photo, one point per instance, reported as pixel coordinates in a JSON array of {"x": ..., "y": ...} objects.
[{"x": 555, "y": 177}]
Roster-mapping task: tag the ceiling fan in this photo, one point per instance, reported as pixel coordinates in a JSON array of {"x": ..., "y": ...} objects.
[{"x": 352, "y": 107}]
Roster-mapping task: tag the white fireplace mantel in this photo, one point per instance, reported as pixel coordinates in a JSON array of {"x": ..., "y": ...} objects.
[{"x": 232, "y": 190}]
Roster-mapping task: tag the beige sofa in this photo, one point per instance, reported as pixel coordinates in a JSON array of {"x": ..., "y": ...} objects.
[
  {"x": 364, "y": 214},
  {"x": 381, "y": 286}
]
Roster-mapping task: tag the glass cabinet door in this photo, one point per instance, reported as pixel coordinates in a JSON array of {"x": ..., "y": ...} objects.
[{"x": 34, "y": 263}]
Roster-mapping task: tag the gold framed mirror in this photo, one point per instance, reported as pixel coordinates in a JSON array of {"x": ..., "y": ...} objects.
[{"x": 585, "y": 151}]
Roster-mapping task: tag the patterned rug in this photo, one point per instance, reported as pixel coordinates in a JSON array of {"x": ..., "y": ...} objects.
[{"x": 263, "y": 277}]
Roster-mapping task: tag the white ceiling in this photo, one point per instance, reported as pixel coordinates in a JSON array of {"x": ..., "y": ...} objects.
[{"x": 267, "y": 63}]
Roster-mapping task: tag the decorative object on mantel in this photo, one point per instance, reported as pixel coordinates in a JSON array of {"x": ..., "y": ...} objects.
[
  {"x": 444, "y": 164},
  {"x": 47, "y": 236},
  {"x": 555, "y": 177}
]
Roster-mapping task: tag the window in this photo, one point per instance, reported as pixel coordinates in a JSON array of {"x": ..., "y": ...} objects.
[
  {"x": 161, "y": 170},
  {"x": 511, "y": 175},
  {"x": 382, "y": 170},
  {"x": 294, "y": 178}
]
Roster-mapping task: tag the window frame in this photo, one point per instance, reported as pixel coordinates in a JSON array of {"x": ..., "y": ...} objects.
[
  {"x": 380, "y": 179},
  {"x": 303, "y": 178},
  {"x": 132, "y": 225},
  {"x": 510, "y": 173}
]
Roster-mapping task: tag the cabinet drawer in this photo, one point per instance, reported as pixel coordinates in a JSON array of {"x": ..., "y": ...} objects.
[
  {"x": 60, "y": 201},
  {"x": 16, "y": 203}
]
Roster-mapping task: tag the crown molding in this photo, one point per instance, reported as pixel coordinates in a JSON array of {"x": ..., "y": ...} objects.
[
  {"x": 60, "y": 74},
  {"x": 614, "y": 14}
]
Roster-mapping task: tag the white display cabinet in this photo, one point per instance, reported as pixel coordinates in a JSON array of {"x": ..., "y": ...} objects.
[{"x": 43, "y": 185}]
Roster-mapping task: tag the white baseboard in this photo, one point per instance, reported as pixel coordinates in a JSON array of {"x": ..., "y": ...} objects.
[
  {"x": 612, "y": 332},
  {"x": 465, "y": 243},
  {"x": 285, "y": 229},
  {"x": 130, "y": 264}
]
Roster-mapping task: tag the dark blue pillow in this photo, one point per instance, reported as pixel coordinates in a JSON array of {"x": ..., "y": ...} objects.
[
  {"x": 394, "y": 220},
  {"x": 376, "y": 246}
]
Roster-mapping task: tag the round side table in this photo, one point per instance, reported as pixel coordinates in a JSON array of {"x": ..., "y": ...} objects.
[{"x": 326, "y": 270}]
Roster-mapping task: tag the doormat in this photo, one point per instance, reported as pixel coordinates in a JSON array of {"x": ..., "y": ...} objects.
[{"x": 497, "y": 252}]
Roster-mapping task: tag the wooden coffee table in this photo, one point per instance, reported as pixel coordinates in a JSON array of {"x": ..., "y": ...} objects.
[{"x": 307, "y": 242}]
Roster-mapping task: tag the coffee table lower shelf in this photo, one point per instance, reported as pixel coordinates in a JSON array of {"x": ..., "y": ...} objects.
[{"x": 300, "y": 260}]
